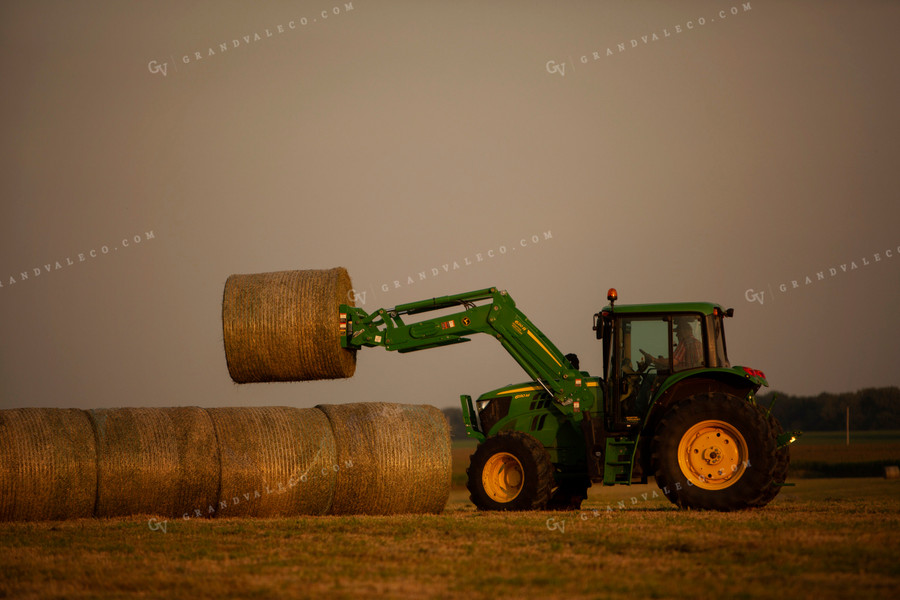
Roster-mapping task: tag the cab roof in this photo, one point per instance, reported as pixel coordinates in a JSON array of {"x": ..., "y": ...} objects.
[{"x": 706, "y": 308}]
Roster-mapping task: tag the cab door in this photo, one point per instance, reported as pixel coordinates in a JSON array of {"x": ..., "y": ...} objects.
[
  {"x": 634, "y": 374},
  {"x": 646, "y": 350}
]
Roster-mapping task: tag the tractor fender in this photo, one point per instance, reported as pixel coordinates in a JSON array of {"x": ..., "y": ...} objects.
[
  {"x": 541, "y": 418},
  {"x": 739, "y": 377}
]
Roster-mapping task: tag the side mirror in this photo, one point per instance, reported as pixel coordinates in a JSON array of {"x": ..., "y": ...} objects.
[{"x": 598, "y": 325}]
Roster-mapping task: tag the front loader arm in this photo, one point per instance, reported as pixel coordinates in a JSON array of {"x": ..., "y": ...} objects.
[{"x": 500, "y": 318}]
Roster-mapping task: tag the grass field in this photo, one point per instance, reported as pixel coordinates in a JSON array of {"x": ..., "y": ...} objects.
[{"x": 822, "y": 538}]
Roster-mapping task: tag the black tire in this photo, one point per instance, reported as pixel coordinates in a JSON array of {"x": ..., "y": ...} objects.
[
  {"x": 729, "y": 460},
  {"x": 783, "y": 462},
  {"x": 569, "y": 495},
  {"x": 529, "y": 489}
]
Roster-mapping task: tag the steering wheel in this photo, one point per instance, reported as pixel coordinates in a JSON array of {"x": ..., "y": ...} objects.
[{"x": 646, "y": 362}]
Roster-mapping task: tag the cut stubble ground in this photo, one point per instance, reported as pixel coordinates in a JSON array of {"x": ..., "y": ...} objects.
[
  {"x": 820, "y": 538},
  {"x": 823, "y": 538}
]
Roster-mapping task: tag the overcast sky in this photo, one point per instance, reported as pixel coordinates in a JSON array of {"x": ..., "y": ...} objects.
[{"x": 705, "y": 150}]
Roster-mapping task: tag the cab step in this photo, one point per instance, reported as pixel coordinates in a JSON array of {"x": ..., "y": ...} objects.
[{"x": 619, "y": 455}]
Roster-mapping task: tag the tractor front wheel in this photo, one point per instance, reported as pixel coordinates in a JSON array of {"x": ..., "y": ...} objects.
[
  {"x": 510, "y": 471},
  {"x": 717, "y": 451}
]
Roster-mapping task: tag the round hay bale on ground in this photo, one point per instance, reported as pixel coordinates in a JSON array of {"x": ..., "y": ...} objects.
[
  {"x": 276, "y": 461},
  {"x": 48, "y": 464},
  {"x": 155, "y": 460},
  {"x": 199, "y": 463},
  {"x": 394, "y": 458},
  {"x": 285, "y": 326}
]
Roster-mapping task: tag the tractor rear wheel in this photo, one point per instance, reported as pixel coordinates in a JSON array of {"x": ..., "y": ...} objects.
[
  {"x": 717, "y": 451},
  {"x": 510, "y": 471}
]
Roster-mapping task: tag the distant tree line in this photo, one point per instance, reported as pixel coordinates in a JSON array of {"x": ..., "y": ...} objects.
[{"x": 870, "y": 409}]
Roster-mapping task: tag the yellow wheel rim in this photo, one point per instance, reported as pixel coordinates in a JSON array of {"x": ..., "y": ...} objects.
[
  {"x": 713, "y": 455},
  {"x": 503, "y": 477}
]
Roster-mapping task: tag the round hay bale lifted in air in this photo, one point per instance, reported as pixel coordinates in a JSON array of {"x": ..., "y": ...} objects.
[
  {"x": 155, "y": 460},
  {"x": 392, "y": 458},
  {"x": 285, "y": 326},
  {"x": 276, "y": 461},
  {"x": 48, "y": 464}
]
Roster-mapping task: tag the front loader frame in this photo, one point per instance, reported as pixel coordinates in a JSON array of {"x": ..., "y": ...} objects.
[{"x": 499, "y": 318}]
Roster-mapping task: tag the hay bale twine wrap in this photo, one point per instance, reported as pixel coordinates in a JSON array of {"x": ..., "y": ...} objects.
[
  {"x": 48, "y": 464},
  {"x": 285, "y": 326},
  {"x": 276, "y": 461},
  {"x": 393, "y": 458},
  {"x": 155, "y": 460}
]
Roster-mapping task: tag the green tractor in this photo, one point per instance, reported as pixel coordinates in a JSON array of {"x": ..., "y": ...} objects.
[{"x": 669, "y": 404}]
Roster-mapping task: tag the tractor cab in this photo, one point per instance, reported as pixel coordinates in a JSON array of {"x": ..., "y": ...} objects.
[{"x": 647, "y": 345}]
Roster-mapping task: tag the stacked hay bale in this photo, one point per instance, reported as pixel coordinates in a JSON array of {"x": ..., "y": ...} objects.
[
  {"x": 276, "y": 461},
  {"x": 400, "y": 457},
  {"x": 155, "y": 460},
  {"x": 285, "y": 326},
  {"x": 223, "y": 462},
  {"x": 48, "y": 464}
]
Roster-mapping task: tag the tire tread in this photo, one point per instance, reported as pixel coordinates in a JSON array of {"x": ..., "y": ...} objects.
[
  {"x": 753, "y": 420},
  {"x": 505, "y": 441}
]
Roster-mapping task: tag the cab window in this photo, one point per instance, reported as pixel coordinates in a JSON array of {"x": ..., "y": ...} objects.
[{"x": 719, "y": 332}]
